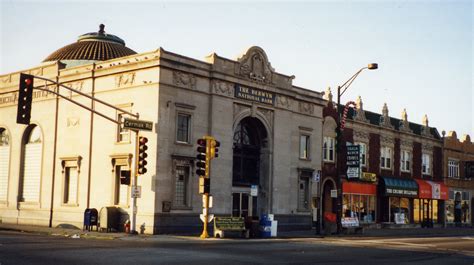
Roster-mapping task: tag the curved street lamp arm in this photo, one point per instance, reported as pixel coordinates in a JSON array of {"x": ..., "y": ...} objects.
[{"x": 348, "y": 83}]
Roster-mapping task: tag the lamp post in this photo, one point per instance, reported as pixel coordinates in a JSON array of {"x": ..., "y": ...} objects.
[{"x": 339, "y": 140}]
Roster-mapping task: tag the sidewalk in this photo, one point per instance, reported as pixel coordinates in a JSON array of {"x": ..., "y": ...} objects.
[{"x": 382, "y": 232}]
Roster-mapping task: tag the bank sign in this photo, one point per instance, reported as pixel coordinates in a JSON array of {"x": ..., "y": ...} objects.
[{"x": 254, "y": 94}]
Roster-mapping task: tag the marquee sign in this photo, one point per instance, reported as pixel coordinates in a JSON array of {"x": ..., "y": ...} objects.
[{"x": 254, "y": 94}]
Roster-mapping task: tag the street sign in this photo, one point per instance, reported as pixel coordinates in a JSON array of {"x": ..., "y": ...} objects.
[
  {"x": 209, "y": 217},
  {"x": 136, "y": 191},
  {"x": 204, "y": 201},
  {"x": 137, "y": 124},
  {"x": 254, "y": 190},
  {"x": 317, "y": 176}
]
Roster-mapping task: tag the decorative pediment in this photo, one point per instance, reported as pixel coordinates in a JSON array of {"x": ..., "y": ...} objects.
[
  {"x": 404, "y": 125},
  {"x": 385, "y": 119},
  {"x": 254, "y": 65},
  {"x": 359, "y": 111}
]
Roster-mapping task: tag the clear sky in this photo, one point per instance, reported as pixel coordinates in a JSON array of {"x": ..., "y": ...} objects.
[{"x": 424, "y": 48}]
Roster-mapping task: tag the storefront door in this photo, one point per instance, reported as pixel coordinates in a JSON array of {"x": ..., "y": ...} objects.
[{"x": 243, "y": 204}]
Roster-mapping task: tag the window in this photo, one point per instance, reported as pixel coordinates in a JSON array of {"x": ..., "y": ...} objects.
[
  {"x": 183, "y": 128},
  {"x": 4, "y": 163},
  {"x": 123, "y": 134},
  {"x": 405, "y": 158},
  {"x": 363, "y": 154},
  {"x": 31, "y": 169},
  {"x": 71, "y": 170},
  {"x": 386, "y": 157},
  {"x": 426, "y": 162},
  {"x": 182, "y": 191},
  {"x": 70, "y": 185},
  {"x": 453, "y": 168},
  {"x": 121, "y": 190},
  {"x": 303, "y": 191},
  {"x": 328, "y": 149},
  {"x": 304, "y": 146}
]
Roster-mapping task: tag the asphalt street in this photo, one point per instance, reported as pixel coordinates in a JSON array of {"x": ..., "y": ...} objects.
[{"x": 18, "y": 248}]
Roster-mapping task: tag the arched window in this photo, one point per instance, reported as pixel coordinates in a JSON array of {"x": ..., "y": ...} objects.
[
  {"x": 248, "y": 141},
  {"x": 32, "y": 156},
  {"x": 4, "y": 162}
]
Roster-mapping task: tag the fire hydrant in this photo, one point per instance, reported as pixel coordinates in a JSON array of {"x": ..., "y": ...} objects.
[{"x": 126, "y": 226}]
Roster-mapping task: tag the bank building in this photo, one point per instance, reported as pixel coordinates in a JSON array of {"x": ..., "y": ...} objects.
[{"x": 69, "y": 159}]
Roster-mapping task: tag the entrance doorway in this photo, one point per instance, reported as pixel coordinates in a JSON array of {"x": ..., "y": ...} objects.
[{"x": 250, "y": 167}]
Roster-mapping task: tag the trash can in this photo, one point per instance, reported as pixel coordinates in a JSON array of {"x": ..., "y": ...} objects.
[
  {"x": 265, "y": 226},
  {"x": 90, "y": 219}
]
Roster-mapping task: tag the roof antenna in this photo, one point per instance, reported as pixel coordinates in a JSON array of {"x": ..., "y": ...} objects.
[{"x": 101, "y": 29}]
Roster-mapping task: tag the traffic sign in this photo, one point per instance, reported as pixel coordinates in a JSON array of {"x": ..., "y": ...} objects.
[
  {"x": 136, "y": 191},
  {"x": 209, "y": 217},
  {"x": 137, "y": 124}
]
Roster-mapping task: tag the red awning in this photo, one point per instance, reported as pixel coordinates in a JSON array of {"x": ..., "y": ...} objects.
[
  {"x": 432, "y": 190},
  {"x": 359, "y": 188}
]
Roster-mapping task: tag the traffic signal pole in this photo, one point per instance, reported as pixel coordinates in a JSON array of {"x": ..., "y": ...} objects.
[{"x": 133, "y": 224}]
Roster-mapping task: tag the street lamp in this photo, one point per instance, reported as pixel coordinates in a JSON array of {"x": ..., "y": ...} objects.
[{"x": 339, "y": 141}]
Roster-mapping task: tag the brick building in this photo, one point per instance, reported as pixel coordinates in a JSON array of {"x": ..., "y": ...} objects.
[{"x": 400, "y": 182}]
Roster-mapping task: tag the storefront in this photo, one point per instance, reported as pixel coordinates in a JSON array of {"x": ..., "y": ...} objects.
[
  {"x": 359, "y": 201},
  {"x": 458, "y": 207},
  {"x": 428, "y": 207},
  {"x": 396, "y": 199}
]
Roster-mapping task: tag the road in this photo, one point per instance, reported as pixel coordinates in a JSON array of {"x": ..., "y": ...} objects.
[{"x": 23, "y": 248}]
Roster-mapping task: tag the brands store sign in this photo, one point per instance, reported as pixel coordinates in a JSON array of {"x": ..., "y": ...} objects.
[
  {"x": 403, "y": 192},
  {"x": 254, "y": 94}
]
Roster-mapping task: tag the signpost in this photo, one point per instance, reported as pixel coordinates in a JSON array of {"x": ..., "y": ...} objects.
[
  {"x": 353, "y": 161},
  {"x": 137, "y": 124}
]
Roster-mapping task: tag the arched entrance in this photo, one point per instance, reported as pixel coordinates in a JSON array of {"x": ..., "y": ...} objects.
[
  {"x": 250, "y": 168},
  {"x": 328, "y": 204}
]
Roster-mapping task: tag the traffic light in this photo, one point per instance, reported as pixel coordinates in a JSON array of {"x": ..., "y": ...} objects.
[
  {"x": 214, "y": 148},
  {"x": 204, "y": 185},
  {"x": 202, "y": 163},
  {"x": 125, "y": 177},
  {"x": 25, "y": 97},
  {"x": 142, "y": 155}
]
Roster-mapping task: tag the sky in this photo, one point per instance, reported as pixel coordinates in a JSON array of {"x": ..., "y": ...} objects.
[{"x": 424, "y": 48}]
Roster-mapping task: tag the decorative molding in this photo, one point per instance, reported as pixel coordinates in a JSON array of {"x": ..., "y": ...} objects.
[
  {"x": 302, "y": 128},
  {"x": 359, "y": 111},
  {"x": 387, "y": 140},
  {"x": 223, "y": 88},
  {"x": 268, "y": 114},
  {"x": 283, "y": 102},
  {"x": 360, "y": 136},
  {"x": 184, "y": 106},
  {"x": 71, "y": 161},
  {"x": 121, "y": 159},
  {"x": 255, "y": 66},
  {"x": 123, "y": 80},
  {"x": 406, "y": 144},
  {"x": 238, "y": 108},
  {"x": 427, "y": 148},
  {"x": 72, "y": 122},
  {"x": 184, "y": 80},
  {"x": 385, "y": 119},
  {"x": 305, "y": 107}
]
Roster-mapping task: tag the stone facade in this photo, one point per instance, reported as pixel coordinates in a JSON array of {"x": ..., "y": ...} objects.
[{"x": 161, "y": 86}]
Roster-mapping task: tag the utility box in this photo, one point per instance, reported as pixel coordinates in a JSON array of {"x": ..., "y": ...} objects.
[{"x": 109, "y": 219}]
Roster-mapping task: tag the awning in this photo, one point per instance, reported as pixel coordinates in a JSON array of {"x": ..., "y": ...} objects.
[
  {"x": 399, "y": 187},
  {"x": 432, "y": 190},
  {"x": 359, "y": 188}
]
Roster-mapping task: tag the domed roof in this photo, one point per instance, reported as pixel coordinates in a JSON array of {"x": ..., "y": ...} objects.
[{"x": 95, "y": 46}]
